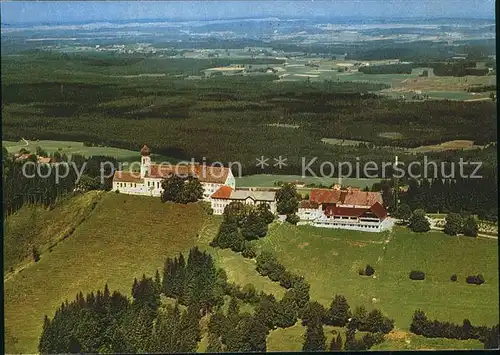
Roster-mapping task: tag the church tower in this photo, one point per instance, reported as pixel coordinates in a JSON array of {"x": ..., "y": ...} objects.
[{"x": 145, "y": 160}]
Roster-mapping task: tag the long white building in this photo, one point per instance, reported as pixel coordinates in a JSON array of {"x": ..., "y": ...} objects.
[{"x": 147, "y": 182}]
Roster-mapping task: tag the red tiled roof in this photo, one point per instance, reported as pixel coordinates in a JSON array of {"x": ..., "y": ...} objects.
[
  {"x": 210, "y": 174},
  {"x": 308, "y": 204},
  {"x": 224, "y": 192},
  {"x": 362, "y": 198},
  {"x": 325, "y": 196},
  {"x": 344, "y": 211},
  {"x": 165, "y": 170},
  {"x": 378, "y": 210},
  {"x": 127, "y": 176}
]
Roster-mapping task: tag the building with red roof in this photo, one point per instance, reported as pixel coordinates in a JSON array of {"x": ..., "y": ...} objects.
[
  {"x": 250, "y": 196},
  {"x": 147, "y": 181},
  {"x": 346, "y": 209}
]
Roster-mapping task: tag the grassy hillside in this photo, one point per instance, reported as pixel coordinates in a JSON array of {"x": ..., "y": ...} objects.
[
  {"x": 329, "y": 260},
  {"x": 122, "y": 238},
  {"x": 239, "y": 270},
  {"x": 42, "y": 227}
]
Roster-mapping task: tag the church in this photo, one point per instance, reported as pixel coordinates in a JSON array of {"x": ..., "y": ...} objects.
[{"x": 148, "y": 181}]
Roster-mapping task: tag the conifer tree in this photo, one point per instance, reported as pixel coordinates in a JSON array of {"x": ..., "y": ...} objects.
[
  {"x": 339, "y": 312},
  {"x": 158, "y": 286},
  {"x": 214, "y": 344},
  {"x": 189, "y": 332},
  {"x": 46, "y": 339},
  {"x": 287, "y": 311},
  {"x": 315, "y": 339}
]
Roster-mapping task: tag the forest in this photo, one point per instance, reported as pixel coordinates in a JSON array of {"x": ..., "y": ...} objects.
[{"x": 66, "y": 99}]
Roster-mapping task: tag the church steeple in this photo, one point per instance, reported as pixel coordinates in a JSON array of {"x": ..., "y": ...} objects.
[
  {"x": 145, "y": 160},
  {"x": 145, "y": 151}
]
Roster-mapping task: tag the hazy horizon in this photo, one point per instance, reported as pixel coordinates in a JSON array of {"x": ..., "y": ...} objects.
[{"x": 25, "y": 13}]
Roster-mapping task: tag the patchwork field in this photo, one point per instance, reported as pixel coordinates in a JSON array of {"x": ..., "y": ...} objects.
[
  {"x": 69, "y": 148},
  {"x": 330, "y": 260},
  {"x": 122, "y": 238}
]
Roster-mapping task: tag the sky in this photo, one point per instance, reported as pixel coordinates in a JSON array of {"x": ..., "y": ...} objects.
[{"x": 17, "y": 12}]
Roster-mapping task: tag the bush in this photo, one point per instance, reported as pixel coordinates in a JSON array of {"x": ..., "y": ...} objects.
[
  {"x": 453, "y": 278},
  {"x": 292, "y": 218},
  {"x": 369, "y": 271},
  {"x": 36, "y": 254},
  {"x": 286, "y": 280},
  {"x": 361, "y": 272},
  {"x": 453, "y": 224},
  {"x": 477, "y": 280},
  {"x": 117, "y": 191},
  {"x": 418, "y": 222},
  {"x": 249, "y": 294},
  {"x": 417, "y": 275},
  {"x": 248, "y": 251},
  {"x": 470, "y": 227},
  {"x": 207, "y": 207}
]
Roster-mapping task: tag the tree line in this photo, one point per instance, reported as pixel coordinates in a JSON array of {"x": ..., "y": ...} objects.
[
  {"x": 39, "y": 183},
  {"x": 241, "y": 224},
  {"x": 468, "y": 196},
  {"x": 421, "y": 325}
]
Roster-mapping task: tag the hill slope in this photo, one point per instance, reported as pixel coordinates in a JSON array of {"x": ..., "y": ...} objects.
[
  {"x": 42, "y": 227},
  {"x": 124, "y": 237}
]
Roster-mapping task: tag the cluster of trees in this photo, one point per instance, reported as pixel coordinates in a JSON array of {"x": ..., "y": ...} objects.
[
  {"x": 457, "y": 69},
  {"x": 387, "y": 69},
  {"x": 181, "y": 189},
  {"x": 112, "y": 323},
  {"x": 268, "y": 265},
  {"x": 241, "y": 224},
  {"x": 456, "y": 224},
  {"x": 47, "y": 183},
  {"x": 236, "y": 332},
  {"x": 287, "y": 202},
  {"x": 339, "y": 314},
  {"x": 104, "y": 323},
  {"x": 418, "y": 221},
  {"x": 195, "y": 281},
  {"x": 472, "y": 196},
  {"x": 421, "y": 325}
]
